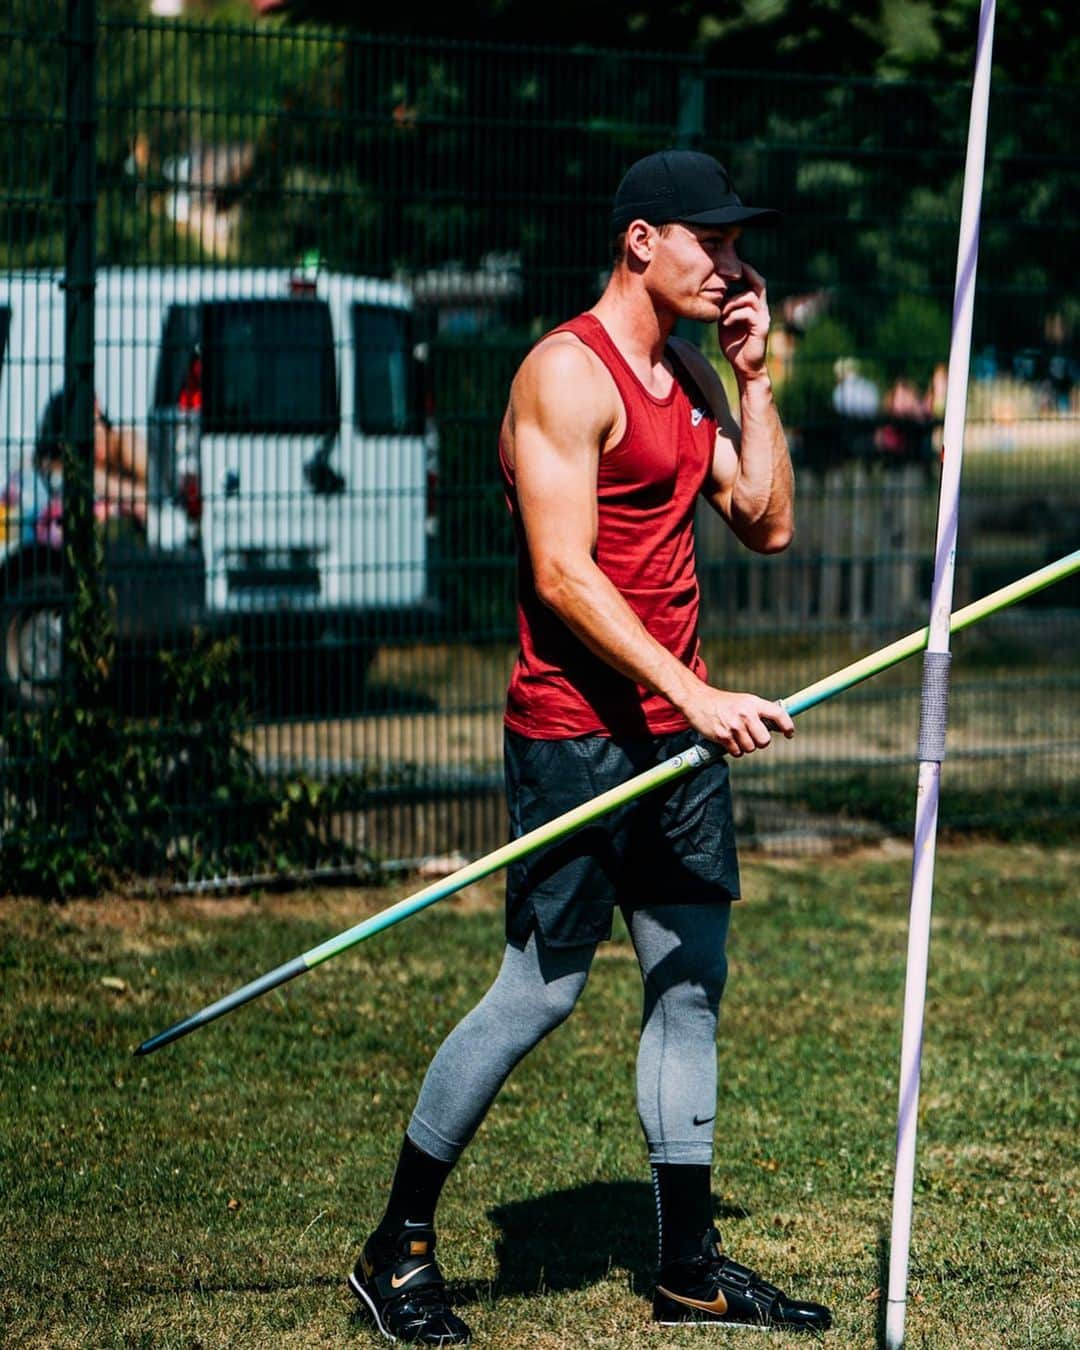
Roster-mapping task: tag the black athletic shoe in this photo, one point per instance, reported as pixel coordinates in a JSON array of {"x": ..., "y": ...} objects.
[
  {"x": 406, "y": 1293},
  {"x": 710, "y": 1288}
]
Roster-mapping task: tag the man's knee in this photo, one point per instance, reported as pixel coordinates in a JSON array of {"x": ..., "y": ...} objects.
[
  {"x": 560, "y": 997},
  {"x": 713, "y": 976},
  {"x": 696, "y": 978},
  {"x": 539, "y": 986}
]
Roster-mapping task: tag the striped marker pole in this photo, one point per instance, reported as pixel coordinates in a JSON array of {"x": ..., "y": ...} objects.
[
  {"x": 669, "y": 770},
  {"x": 935, "y": 687}
]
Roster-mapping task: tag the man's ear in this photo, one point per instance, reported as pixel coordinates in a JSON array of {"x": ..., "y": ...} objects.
[{"x": 640, "y": 238}]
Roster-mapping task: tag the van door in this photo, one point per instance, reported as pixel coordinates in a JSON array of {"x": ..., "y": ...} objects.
[
  {"x": 267, "y": 404},
  {"x": 386, "y": 448}
]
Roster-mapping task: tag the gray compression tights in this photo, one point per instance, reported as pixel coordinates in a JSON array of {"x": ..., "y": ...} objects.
[{"x": 680, "y": 949}]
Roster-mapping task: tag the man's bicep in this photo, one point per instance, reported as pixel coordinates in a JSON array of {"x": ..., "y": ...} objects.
[
  {"x": 562, "y": 413},
  {"x": 556, "y": 491}
]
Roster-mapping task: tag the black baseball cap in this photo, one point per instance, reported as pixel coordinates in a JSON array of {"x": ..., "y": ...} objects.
[{"x": 683, "y": 185}]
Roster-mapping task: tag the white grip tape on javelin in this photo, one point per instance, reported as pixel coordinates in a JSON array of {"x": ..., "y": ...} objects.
[{"x": 934, "y": 710}]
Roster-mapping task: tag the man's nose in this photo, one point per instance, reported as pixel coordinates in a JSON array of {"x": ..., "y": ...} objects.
[{"x": 729, "y": 265}]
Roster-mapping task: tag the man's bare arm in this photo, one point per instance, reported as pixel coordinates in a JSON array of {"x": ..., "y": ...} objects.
[{"x": 751, "y": 484}]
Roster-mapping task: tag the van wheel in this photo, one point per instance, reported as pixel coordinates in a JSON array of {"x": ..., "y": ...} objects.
[{"x": 32, "y": 628}]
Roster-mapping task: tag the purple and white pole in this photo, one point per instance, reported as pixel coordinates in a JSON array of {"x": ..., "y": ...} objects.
[{"x": 935, "y": 688}]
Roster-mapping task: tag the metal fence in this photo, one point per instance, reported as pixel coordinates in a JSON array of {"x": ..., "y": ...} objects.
[{"x": 264, "y": 292}]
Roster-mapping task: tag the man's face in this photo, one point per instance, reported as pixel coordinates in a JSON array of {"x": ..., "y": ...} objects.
[{"x": 694, "y": 268}]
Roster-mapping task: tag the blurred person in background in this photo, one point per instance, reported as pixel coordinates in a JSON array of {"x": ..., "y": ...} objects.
[
  {"x": 854, "y": 394},
  {"x": 120, "y": 469}
]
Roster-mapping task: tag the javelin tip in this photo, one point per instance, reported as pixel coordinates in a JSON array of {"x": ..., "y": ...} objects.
[
  {"x": 167, "y": 1036},
  {"x": 289, "y": 971}
]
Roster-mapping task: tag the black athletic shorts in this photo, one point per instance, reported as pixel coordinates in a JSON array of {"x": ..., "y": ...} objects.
[{"x": 674, "y": 845}]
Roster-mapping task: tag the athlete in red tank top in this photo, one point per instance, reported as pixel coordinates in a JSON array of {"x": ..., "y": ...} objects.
[
  {"x": 613, "y": 431},
  {"x": 647, "y": 490}
]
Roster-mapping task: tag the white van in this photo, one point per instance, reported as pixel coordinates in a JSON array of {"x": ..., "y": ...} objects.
[{"x": 291, "y": 464}]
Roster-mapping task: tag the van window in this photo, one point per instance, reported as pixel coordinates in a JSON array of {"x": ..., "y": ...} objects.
[
  {"x": 388, "y": 389},
  {"x": 268, "y": 366},
  {"x": 179, "y": 346},
  {"x": 253, "y": 365}
]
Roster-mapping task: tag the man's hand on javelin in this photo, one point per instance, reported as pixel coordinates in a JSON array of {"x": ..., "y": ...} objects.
[{"x": 736, "y": 722}]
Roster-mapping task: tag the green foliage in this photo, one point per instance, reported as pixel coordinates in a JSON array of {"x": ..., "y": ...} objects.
[
  {"x": 331, "y": 122},
  {"x": 911, "y": 338},
  {"x": 93, "y": 799},
  {"x": 807, "y": 392},
  {"x": 898, "y": 39},
  {"x": 223, "y": 814},
  {"x": 68, "y": 767},
  {"x": 172, "y": 87}
]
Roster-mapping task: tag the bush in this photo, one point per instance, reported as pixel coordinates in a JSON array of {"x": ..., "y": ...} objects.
[
  {"x": 92, "y": 799},
  {"x": 806, "y": 394},
  {"x": 89, "y": 798},
  {"x": 911, "y": 338}
]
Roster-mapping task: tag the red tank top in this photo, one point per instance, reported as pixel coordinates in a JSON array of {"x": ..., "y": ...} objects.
[{"x": 647, "y": 490}]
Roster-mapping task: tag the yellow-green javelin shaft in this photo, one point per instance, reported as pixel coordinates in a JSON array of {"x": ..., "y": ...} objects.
[
  {"x": 915, "y": 642},
  {"x": 676, "y": 767}
]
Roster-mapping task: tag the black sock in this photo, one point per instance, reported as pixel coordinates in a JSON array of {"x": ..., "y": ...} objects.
[
  {"x": 684, "y": 1211},
  {"x": 418, "y": 1182}
]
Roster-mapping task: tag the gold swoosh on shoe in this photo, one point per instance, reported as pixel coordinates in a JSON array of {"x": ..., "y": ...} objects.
[
  {"x": 718, "y": 1305},
  {"x": 396, "y": 1283}
]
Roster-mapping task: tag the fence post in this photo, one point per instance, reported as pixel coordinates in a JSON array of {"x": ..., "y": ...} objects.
[
  {"x": 79, "y": 264},
  {"x": 830, "y": 543}
]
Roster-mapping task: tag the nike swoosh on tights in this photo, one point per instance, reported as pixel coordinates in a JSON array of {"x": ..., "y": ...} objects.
[
  {"x": 705, "y": 1119},
  {"x": 716, "y": 1305},
  {"x": 396, "y": 1283}
]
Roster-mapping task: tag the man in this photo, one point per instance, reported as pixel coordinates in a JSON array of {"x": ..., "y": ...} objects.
[{"x": 612, "y": 430}]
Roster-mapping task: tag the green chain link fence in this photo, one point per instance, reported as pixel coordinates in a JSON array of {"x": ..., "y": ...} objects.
[{"x": 279, "y": 279}]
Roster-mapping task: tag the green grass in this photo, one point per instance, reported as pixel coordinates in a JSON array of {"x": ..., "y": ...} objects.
[{"x": 215, "y": 1193}]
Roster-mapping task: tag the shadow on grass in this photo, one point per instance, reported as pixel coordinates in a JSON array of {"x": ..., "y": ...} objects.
[
  {"x": 572, "y": 1238},
  {"x": 880, "y": 1340}
]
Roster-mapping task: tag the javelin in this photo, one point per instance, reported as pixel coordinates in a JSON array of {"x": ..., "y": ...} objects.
[{"x": 670, "y": 769}]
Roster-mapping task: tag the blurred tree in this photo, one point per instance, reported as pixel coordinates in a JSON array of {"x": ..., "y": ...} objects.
[
  {"x": 807, "y": 393},
  {"x": 868, "y": 171},
  {"x": 895, "y": 39},
  {"x": 911, "y": 338}
]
